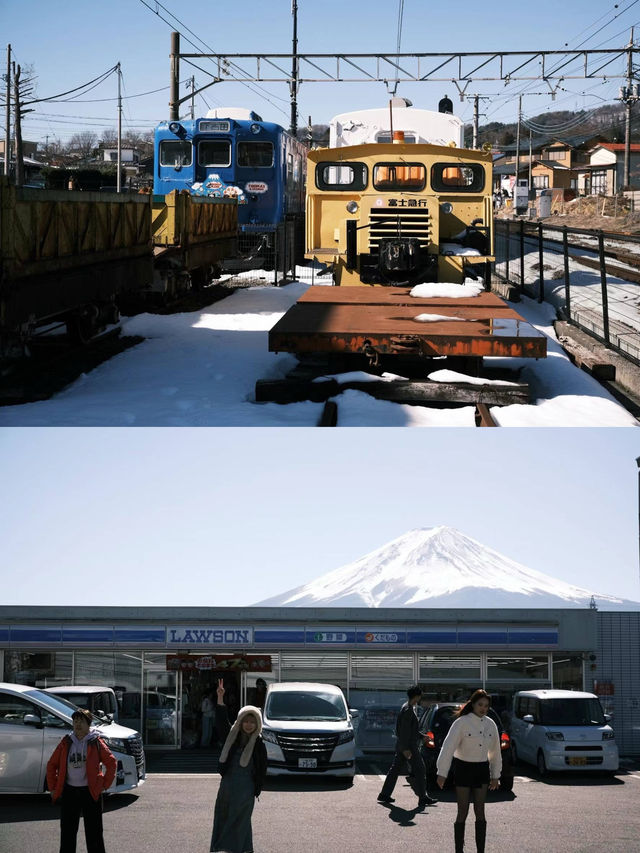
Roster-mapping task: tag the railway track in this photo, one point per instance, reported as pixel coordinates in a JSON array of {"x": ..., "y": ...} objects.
[{"x": 632, "y": 259}]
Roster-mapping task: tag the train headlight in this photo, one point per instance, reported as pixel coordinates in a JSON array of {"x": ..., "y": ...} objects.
[
  {"x": 255, "y": 128},
  {"x": 175, "y": 127},
  {"x": 352, "y": 206},
  {"x": 446, "y": 207}
]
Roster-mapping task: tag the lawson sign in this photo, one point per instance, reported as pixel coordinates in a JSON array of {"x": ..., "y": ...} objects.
[{"x": 208, "y": 635}]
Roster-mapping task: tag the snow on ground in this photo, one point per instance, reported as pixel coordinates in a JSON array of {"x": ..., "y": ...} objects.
[{"x": 200, "y": 369}]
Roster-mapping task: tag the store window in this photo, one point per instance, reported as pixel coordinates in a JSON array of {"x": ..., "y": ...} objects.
[
  {"x": 439, "y": 667},
  {"x": 527, "y": 669},
  {"x": 507, "y": 674},
  {"x": 377, "y": 689},
  {"x": 567, "y": 672},
  {"x": 121, "y": 671},
  {"x": 38, "y": 669},
  {"x": 327, "y": 667},
  {"x": 158, "y": 705}
]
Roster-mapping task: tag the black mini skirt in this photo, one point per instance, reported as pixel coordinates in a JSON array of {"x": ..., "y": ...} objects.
[{"x": 470, "y": 774}]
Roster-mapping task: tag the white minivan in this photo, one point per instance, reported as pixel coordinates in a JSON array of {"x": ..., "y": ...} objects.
[
  {"x": 32, "y": 723},
  {"x": 101, "y": 701},
  {"x": 308, "y": 730},
  {"x": 562, "y": 730}
]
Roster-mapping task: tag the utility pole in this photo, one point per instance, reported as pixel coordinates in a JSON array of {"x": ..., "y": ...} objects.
[
  {"x": 19, "y": 180},
  {"x": 7, "y": 119},
  {"x": 476, "y": 120},
  {"x": 515, "y": 188},
  {"x": 118, "y": 176},
  {"x": 193, "y": 96},
  {"x": 174, "y": 78},
  {"x": 294, "y": 70},
  {"x": 628, "y": 95}
]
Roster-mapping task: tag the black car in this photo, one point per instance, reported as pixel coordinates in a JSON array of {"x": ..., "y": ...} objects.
[{"x": 435, "y": 724}]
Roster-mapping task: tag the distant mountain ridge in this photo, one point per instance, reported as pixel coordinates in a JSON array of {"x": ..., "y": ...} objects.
[{"x": 440, "y": 567}]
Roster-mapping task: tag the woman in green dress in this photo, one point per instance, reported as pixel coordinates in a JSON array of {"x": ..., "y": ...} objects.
[{"x": 243, "y": 768}]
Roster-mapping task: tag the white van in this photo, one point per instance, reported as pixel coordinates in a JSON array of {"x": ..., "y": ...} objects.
[
  {"x": 308, "y": 730},
  {"x": 101, "y": 701},
  {"x": 32, "y": 723},
  {"x": 562, "y": 730}
]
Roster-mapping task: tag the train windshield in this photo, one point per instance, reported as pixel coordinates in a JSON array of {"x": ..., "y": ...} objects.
[
  {"x": 256, "y": 155},
  {"x": 341, "y": 176},
  {"x": 214, "y": 152},
  {"x": 467, "y": 177},
  {"x": 399, "y": 176},
  {"x": 175, "y": 153}
]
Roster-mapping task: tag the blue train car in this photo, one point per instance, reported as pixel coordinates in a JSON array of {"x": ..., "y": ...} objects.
[{"x": 233, "y": 153}]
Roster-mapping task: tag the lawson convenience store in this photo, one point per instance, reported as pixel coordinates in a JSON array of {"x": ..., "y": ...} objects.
[{"x": 161, "y": 661}]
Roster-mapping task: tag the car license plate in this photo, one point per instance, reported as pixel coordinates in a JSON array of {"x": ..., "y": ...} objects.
[
  {"x": 578, "y": 760},
  {"x": 309, "y": 763}
]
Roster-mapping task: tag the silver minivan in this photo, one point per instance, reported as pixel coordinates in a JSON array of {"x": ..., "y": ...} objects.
[
  {"x": 32, "y": 723},
  {"x": 562, "y": 730}
]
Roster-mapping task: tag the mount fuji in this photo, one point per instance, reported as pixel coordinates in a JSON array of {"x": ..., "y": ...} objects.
[{"x": 440, "y": 567}]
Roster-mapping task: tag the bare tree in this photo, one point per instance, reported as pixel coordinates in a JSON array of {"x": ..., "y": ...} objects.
[
  {"x": 109, "y": 138},
  {"x": 83, "y": 143}
]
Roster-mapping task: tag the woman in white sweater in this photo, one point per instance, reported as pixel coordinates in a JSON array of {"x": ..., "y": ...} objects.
[{"x": 472, "y": 749}]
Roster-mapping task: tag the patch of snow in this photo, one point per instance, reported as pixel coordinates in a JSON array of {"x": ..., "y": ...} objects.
[
  {"x": 454, "y": 376},
  {"x": 445, "y": 288},
  {"x": 433, "y": 318}
]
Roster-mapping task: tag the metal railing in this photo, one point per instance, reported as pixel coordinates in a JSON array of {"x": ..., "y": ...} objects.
[{"x": 584, "y": 279}]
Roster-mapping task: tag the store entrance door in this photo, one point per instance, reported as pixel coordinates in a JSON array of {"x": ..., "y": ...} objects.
[{"x": 198, "y": 703}]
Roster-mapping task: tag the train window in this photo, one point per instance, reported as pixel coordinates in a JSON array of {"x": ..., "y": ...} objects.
[
  {"x": 399, "y": 176},
  {"x": 458, "y": 177},
  {"x": 257, "y": 155},
  {"x": 341, "y": 176},
  {"x": 214, "y": 152},
  {"x": 175, "y": 153}
]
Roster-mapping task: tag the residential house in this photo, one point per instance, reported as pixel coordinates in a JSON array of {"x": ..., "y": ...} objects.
[{"x": 603, "y": 174}]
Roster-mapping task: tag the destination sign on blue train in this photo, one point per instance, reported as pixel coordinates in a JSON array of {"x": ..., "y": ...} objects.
[{"x": 214, "y": 126}]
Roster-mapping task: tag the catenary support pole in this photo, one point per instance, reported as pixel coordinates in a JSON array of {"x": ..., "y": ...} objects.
[
  {"x": 119, "y": 158},
  {"x": 7, "y": 115},
  {"x": 174, "y": 78}
]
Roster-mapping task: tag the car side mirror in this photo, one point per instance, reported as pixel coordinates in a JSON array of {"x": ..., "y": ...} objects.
[
  {"x": 354, "y": 712},
  {"x": 528, "y": 718},
  {"x": 607, "y": 718},
  {"x": 32, "y": 720}
]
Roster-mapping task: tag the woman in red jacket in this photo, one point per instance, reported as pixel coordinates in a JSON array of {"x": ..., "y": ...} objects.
[{"x": 74, "y": 777}]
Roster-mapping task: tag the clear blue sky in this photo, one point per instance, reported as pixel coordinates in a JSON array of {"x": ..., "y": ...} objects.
[
  {"x": 232, "y": 516},
  {"x": 70, "y": 43}
]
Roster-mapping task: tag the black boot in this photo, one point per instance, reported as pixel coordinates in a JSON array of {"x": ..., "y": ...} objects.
[
  {"x": 481, "y": 835},
  {"x": 458, "y": 834}
]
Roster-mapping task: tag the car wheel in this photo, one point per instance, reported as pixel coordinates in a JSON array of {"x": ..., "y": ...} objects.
[{"x": 541, "y": 764}]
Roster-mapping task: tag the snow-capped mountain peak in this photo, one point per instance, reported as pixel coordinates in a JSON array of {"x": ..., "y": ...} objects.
[{"x": 439, "y": 567}]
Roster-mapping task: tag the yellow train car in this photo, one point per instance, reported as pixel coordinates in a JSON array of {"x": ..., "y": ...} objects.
[{"x": 397, "y": 213}]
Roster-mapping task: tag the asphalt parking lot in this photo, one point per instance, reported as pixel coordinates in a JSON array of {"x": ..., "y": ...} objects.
[{"x": 582, "y": 813}]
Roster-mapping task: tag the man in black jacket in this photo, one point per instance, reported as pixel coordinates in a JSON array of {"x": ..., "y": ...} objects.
[{"x": 408, "y": 751}]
